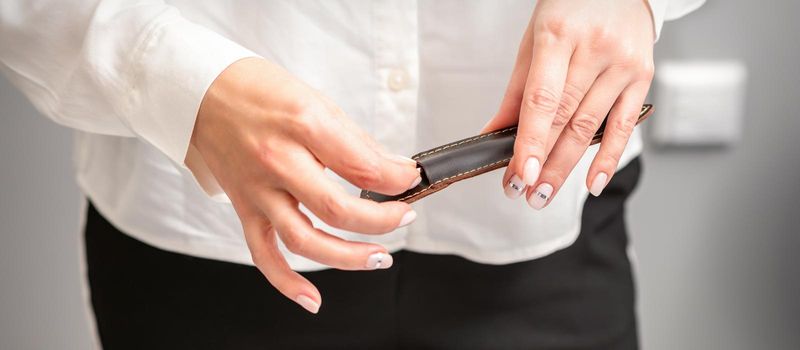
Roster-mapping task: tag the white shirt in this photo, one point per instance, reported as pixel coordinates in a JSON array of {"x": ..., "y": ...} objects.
[{"x": 129, "y": 77}]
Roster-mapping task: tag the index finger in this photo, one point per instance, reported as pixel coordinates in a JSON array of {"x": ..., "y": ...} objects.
[
  {"x": 333, "y": 205},
  {"x": 540, "y": 101},
  {"x": 355, "y": 158}
]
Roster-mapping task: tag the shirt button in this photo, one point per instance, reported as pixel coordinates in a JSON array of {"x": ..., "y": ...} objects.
[{"x": 398, "y": 79}]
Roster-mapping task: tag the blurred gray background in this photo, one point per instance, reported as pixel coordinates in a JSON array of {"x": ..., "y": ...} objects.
[{"x": 714, "y": 229}]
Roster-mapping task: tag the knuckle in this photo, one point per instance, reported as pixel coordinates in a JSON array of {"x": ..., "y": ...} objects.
[
  {"x": 304, "y": 124},
  {"x": 542, "y": 100},
  {"x": 300, "y": 106},
  {"x": 569, "y": 103},
  {"x": 555, "y": 27},
  {"x": 647, "y": 70},
  {"x": 584, "y": 126},
  {"x": 268, "y": 153},
  {"x": 612, "y": 159},
  {"x": 623, "y": 127},
  {"x": 296, "y": 241},
  {"x": 630, "y": 60},
  {"x": 333, "y": 211},
  {"x": 625, "y": 65},
  {"x": 259, "y": 259},
  {"x": 367, "y": 175},
  {"x": 602, "y": 40},
  {"x": 562, "y": 116},
  {"x": 603, "y": 37}
]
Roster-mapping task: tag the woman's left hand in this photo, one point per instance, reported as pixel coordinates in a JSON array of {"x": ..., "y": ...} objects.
[{"x": 578, "y": 60}]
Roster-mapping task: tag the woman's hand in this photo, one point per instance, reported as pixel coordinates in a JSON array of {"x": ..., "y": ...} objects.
[
  {"x": 267, "y": 138},
  {"x": 578, "y": 60}
]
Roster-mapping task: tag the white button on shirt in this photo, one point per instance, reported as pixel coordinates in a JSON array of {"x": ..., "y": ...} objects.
[
  {"x": 129, "y": 77},
  {"x": 398, "y": 80}
]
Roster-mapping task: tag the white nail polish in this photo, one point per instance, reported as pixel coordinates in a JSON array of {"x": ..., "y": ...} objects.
[
  {"x": 598, "y": 184},
  {"x": 407, "y": 218},
  {"x": 531, "y": 171},
  {"x": 539, "y": 198},
  {"x": 405, "y": 159},
  {"x": 416, "y": 182},
  {"x": 487, "y": 124},
  {"x": 307, "y": 303},
  {"x": 515, "y": 187},
  {"x": 379, "y": 261}
]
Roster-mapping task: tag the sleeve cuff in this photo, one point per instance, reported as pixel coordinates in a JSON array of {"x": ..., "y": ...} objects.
[
  {"x": 173, "y": 71},
  {"x": 667, "y": 10},
  {"x": 657, "y": 10}
]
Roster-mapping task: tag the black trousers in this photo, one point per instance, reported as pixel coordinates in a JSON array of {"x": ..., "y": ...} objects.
[{"x": 581, "y": 297}]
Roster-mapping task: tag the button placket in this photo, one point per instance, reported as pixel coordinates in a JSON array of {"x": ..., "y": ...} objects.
[{"x": 397, "y": 68}]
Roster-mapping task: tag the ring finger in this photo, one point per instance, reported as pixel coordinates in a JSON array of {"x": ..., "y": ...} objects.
[{"x": 301, "y": 238}]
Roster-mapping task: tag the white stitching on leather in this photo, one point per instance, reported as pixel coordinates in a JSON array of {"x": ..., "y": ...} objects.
[
  {"x": 643, "y": 111},
  {"x": 471, "y": 139},
  {"x": 454, "y": 176}
]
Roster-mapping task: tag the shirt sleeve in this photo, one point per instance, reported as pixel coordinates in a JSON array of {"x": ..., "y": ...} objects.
[
  {"x": 115, "y": 67},
  {"x": 667, "y": 10}
]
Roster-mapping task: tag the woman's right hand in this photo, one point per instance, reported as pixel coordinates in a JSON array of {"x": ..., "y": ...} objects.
[{"x": 267, "y": 138}]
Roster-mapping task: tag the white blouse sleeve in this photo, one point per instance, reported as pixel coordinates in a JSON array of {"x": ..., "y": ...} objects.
[
  {"x": 116, "y": 67},
  {"x": 667, "y": 10}
]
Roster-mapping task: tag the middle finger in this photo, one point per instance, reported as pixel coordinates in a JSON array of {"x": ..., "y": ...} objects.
[{"x": 576, "y": 137}]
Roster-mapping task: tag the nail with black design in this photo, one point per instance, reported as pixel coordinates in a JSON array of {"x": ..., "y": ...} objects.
[
  {"x": 515, "y": 187},
  {"x": 539, "y": 197}
]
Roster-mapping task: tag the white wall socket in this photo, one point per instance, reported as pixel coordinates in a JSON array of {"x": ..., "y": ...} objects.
[{"x": 698, "y": 103}]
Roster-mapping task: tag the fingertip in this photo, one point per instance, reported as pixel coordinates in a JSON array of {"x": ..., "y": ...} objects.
[
  {"x": 310, "y": 304},
  {"x": 404, "y": 160},
  {"x": 540, "y": 196},
  {"x": 485, "y": 127},
  {"x": 531, "y": 170},
  {"x": 396, "y": 214},
  {"x": 396, "y": 207},
  {"x": 400, "y": 175},
  {"x": 416, "y": 181},
  {"x": 407, "y": 218},
  {"x": 514, "y": 187},
  {"x": 379, "y": 260},
  {"x": 491, "y": 125},
  {"x": 598, "y": 184}
]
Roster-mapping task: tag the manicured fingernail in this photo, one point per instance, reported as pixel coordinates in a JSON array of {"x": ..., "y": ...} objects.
[
  {"x": 404, "y": 159},
  {"x": 379, "y": 261},
  {"x": 539, "y": 198},
  {"x": 598, "y": 184},
  {"x": 514, "y": 187},
  {"x": 307, "y": 303},
  {"x": 416, "y": 182},
  {"x": 407, "y": 218},
  {"x": 530, "y": 171}
]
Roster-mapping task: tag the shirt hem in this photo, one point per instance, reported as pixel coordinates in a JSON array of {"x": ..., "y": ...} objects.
[{"x": 427, "y": 245}]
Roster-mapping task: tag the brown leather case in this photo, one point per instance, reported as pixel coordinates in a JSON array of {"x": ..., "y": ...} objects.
[{"x": 462, "y": 159}]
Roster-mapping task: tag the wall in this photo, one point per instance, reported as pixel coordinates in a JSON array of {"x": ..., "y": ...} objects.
[
  {"x": 714, "y": 229},
  {"x": 41, "y": 300}
]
